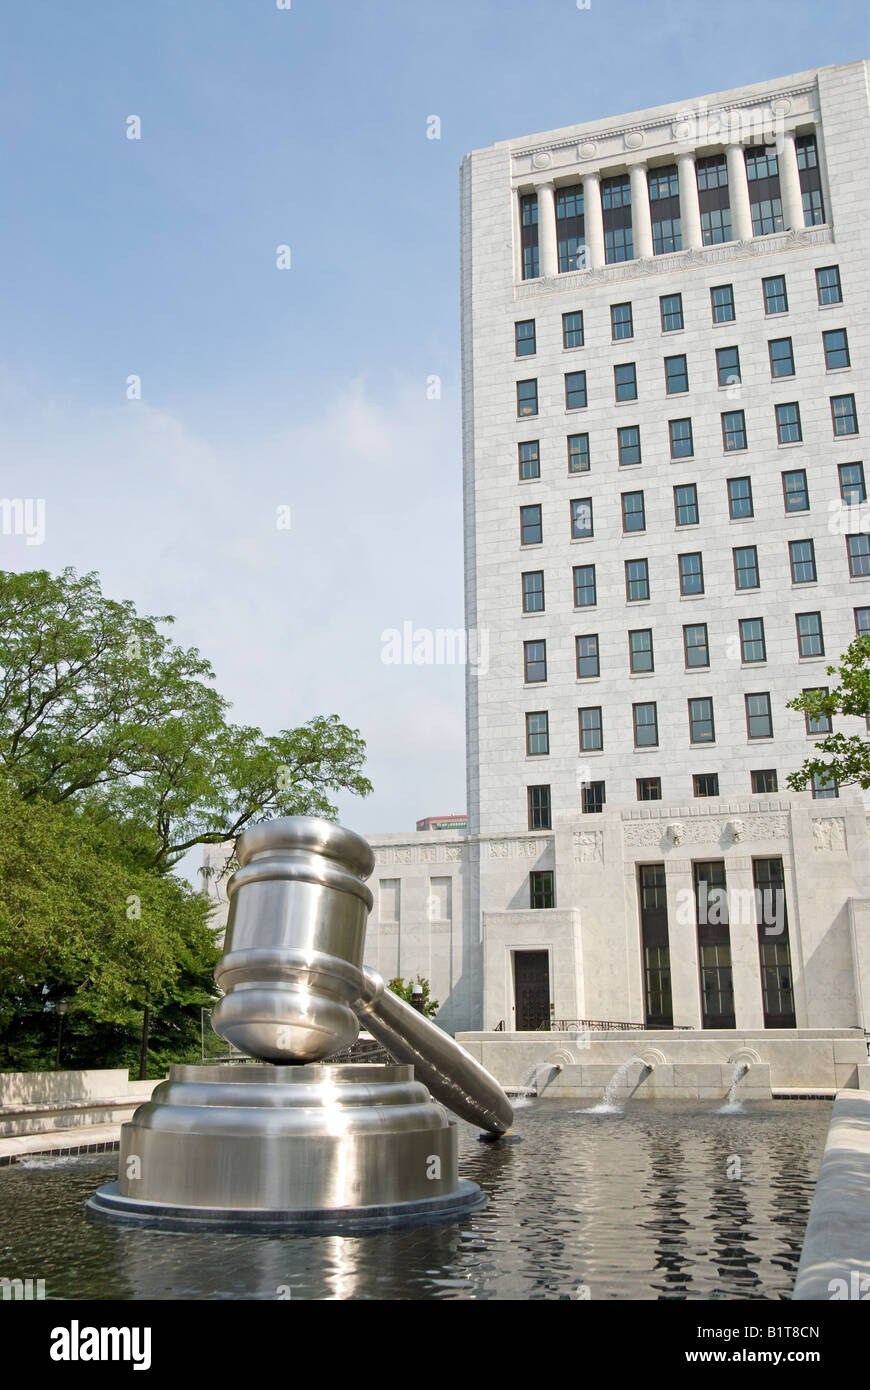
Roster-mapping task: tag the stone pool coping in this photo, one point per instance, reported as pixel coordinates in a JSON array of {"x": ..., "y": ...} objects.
[
  {"x": 57, "y": 1142},
  {"x": 835, "y": 1260}
]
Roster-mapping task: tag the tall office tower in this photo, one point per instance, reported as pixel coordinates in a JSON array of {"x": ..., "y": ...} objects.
[{"x": 665, "y": 346}]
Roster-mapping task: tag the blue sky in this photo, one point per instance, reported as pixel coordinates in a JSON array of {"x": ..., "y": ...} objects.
[{"x": 305, "y": 388}]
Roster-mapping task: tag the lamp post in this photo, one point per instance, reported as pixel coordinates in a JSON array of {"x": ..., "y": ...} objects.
[
  {"x": 60, "y": 1009},
  {"x": 417, "y": 1001}
]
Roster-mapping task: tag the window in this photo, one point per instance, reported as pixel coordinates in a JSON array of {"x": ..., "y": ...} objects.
[
  {"x": 739, "y": 498},
  {"x": 531, "y": 530},
  {"x": 764, "y": 781},
  {"x": 621, "y": 324},
  {"x": 776, "y": 981},
  {"x": 817, "y": 723},
  {"x": 696, "y": 646},
  {"x": 527, "y": 397},
  {"x": 636, "y": 580},
  {"x": 618, "y": 245},
  {"x": 628, "y": 439},
  {"x": 570, "y": 228},
  {"x": 858, "y": 551},
  {"x": 862, "y": 621},
  {"x": 592, "y": 798},
  {"x": 633, "y": 513},
  {"x": 705, "y": 783},
  {"x": 529, "y": 460},
  {"x": 745, "y": 567},
  {"x": 663, "y": 183},
  {"x": 828, "y": 286},
  {"x": 656, "y": 952},
  {"x": 591, "y": 733},
  {"x": 759, "y": 721},
  {"x": 529, "y": 235},
  {"x": 682, "y": 446},
  {"x": 640, "y": 650},
  {"x": 578, "y": 453},
  {"x": 649, "y": 788},
  {"x": 664, "y": 200},
  {"x": 625, "y": 381},
  {"x": 575, "y": 390},
  {"x": 728, "y": 366},
  {"x": 810, "y": 180},
  {"x": 701, "y": 729},
  {"x": 535, "y": 661},
  {"x": 676, "y": 375},
  {"x": 761, "y": 163},
  {"x": 713, "y": 199},
  {"x": 752, "y": 644},
  {"x": 844, "y": 415},
  {"x": 824, "y": 787},
  {"x": 524, "y": 333},
  {"x": 775, "y": 296},
  {"x": 691, "y": 573},
  {"x": 537, "y": 733},
  {"x": 533, "y": 591},
  {"x": 809, "y": 634},
  {"x": 572, "y": 330},
  {"x": 795, "y": 491},
  {"x": 587, "y": 656},
  {"x": 852, "y": 486},
  {"x": 722, "y": 302},
  {"x": 540, "y": 817},
  {"x": 671, "y": 306},
  {"x": 788, "y": 423},
  {"x": 733, "y": 430},
  {"x": 584, "y": 586},
  {"x": 542, "y": 892},
  {"x": 581, "y": 518},
  {"x": 686, "y": 504},
  {"x": 802, "y": 555},
  {"x": 766, "y": 216},
  {"x": 667, "y": 235},
  {"x": 781, "y": 357},
  {"x": 616, "y": 216},
  {"x": 836, "y": 349},
  {"x": 646, "y": 729}
]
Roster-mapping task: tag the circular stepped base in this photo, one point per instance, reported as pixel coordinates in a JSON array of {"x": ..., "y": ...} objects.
[{"x": 284, "y": 1148}]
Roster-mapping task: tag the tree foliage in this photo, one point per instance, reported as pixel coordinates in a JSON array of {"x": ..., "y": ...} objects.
[
  {"x": 845, "y": 758},
  {"x": 404, "y": 991},
  {"x": 80, "y": 921},
  {"x": 99, "y": 707}
]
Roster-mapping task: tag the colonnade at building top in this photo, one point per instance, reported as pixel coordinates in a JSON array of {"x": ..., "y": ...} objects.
[{"x": 678, "y": 200}]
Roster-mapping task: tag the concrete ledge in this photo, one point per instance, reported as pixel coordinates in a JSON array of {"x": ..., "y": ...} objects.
[
  {"x": 40, "y": 1102},
  {"x": 835, "y": 1261}
]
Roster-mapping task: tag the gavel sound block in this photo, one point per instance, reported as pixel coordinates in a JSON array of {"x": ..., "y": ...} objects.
[{"x": 294, "y": 1143}]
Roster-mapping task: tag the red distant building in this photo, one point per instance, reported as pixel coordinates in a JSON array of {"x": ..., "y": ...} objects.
[{"x": 457, "y": 822}]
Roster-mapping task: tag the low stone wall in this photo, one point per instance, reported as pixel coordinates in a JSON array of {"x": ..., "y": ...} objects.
[
  {"x": 685, "y": 1081},
  {"x": 835, "y": 1261},
  {"x": 36, "y": 1102},
  {"x": 798, "y": 1058}
]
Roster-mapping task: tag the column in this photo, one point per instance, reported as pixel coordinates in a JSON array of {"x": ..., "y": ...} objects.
[
  {"x": 547, "y": 248},
  {"x": 743, "y": 935},
  {"x": 641, "y": 222},
  {"x": 683, "y": 943},
  {"x": 738, "y": 194},
  {"x": 690, "y": 210},
  {"x": 593, "y": 222},
  {"x": 790, "y": 183}
]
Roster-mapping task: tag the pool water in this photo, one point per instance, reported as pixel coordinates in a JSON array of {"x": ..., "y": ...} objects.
[{"x": 663, "y": 1201}]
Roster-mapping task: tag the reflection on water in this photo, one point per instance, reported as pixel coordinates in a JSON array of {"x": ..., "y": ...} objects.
[{"x": 665, "y": 1201}]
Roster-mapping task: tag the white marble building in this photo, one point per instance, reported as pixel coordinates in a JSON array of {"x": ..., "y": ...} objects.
[{"x": 665, "y": 343}]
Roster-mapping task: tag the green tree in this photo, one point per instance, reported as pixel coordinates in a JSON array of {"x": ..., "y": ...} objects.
[
  {"x": 843, "y": 757},
  {"x": 404, "y": 991},
  {"x": 79, "y": 921},
  {"x": 100, "y": 708}
]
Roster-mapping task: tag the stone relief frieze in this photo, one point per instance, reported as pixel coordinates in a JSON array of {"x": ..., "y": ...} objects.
[{"x": 830, "y": 834}]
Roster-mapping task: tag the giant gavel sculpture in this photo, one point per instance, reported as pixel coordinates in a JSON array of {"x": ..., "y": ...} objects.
[{"x": 296, "y": 1143}]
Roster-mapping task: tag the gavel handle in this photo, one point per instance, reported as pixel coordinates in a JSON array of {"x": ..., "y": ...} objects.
[{"x": 452, "y": 1076}]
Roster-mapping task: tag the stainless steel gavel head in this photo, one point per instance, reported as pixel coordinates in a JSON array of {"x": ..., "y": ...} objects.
[{"x": 292, "y": 964}]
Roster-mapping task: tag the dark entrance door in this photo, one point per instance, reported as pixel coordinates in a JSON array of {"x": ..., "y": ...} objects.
[{"x": 532, "y": 990}]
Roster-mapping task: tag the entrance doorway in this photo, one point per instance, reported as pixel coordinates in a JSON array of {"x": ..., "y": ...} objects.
[{"x": 532, "y": 990}]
